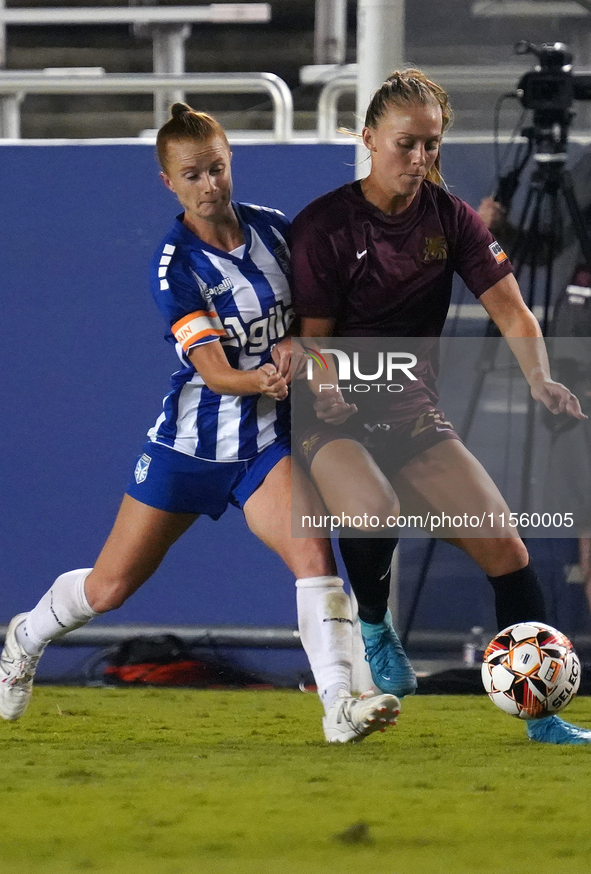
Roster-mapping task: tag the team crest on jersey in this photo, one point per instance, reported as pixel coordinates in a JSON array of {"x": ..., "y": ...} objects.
[
  {"x": 497, "y": 252},
  {"x": 141, "y": 468},
  {"x": 435, "y": 249}
]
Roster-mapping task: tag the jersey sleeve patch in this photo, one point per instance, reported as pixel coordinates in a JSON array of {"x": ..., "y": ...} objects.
[
  {"x": 497, "y": 252},
  {"x": 198, "y": 327}
]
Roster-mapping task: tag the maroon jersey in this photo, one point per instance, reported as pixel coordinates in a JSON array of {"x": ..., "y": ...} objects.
[{"x": 389, "y": 276}]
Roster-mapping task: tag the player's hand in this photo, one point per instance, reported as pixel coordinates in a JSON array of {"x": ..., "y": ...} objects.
[
  {"x": 289, "y": 358},
  {"x": 331, "y": 407},
  {"x": 557, "y": 398},
  {"x": 271, "y": 383},
  {"x": 299, "y": 359},
  {"x": 492, "y": 213},
  {"x": 281, "y": 355}
]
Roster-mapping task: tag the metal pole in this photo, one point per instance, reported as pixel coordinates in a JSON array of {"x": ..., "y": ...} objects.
[
  {"x": 10, "y": 116},
  {"x": 380, "y": 50},
  {"x": 330, "y": 31},
  {"x": 168, "y": 57},
  {"x": 2, "y": 39},
  {"x": 4, "y": 109},
  {"x": 328, "y": 110}
]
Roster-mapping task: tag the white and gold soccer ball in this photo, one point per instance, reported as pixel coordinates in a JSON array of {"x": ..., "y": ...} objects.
[{"x": 530, "y": 670}]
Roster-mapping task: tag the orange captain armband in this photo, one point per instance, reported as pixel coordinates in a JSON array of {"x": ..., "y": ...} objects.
[{"x": 200, "y": 325}]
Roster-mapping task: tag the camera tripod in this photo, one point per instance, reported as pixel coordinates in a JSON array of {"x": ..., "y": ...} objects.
[{"x": 535, "y": 244}]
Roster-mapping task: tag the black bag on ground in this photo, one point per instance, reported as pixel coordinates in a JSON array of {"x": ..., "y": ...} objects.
[{"x": 164, "y": 660}]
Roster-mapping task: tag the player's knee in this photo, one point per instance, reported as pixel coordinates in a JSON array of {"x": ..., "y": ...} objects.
[
  {"x": 110, "y": 593},
  {"x": 504, "y": 556},
  {"x": 312, "y": 558},
  {"x": 370, "y": 512}
]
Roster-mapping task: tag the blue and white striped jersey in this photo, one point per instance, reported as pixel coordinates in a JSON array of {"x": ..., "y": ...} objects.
[{"x": 243, "y": 300}]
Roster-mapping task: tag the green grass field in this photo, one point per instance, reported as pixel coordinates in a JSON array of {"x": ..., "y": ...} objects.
[{"x": 119, "y": 781}]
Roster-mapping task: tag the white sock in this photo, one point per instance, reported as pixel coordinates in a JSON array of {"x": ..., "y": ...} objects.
[
  {"x": 361, "y": 679},
  {"x": 63, "y": 608},
  {"x": 324, "y": 621}
]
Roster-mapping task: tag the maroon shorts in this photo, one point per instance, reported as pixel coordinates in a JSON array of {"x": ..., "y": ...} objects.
[{"x": 391, "y": 445}]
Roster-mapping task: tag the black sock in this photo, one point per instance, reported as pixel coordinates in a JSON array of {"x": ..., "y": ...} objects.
[
  {"x": 519, "y": 597},
  {"x": 367, "y": 560}
]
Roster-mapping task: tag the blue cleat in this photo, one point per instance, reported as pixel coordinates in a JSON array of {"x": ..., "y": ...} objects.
[
  {"x": 390, "y": 668},
  {"x": 553, "y": 730}
]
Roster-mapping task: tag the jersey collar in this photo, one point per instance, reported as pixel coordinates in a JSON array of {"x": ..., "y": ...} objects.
[{"x": 188, "y": 235}]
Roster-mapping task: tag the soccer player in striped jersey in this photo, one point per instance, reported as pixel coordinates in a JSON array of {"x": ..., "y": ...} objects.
[{"x": 220, "y": 278}]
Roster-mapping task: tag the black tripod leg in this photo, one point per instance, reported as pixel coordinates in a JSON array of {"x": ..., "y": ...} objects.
[
  {"x": 518, "y": 250},
  {"x": 550, "y": 260},
  {"x": 574, "y": 211},
  {"x": 526, "y": 473},
  {"x": 561, "y": 182},
  {"x": 485, "y": 365},
  {"x": 422, "y": 578},
  {"x": 534, "y": 236}
]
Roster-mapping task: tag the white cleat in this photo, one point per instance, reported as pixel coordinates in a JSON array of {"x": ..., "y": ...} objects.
[
  {"x": 17, "y": 670},
  {"x": 352, "y": 719}
]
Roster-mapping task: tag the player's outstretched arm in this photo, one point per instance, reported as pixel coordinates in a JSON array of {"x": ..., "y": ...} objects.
[{"x": 506, "y": 307}]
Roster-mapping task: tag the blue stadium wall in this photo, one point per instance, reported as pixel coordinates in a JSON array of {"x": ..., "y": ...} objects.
[{"x": 85, "y": 366}]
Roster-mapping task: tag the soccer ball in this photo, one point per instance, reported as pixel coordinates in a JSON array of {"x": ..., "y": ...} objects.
[{"x": 530, "y": 670}]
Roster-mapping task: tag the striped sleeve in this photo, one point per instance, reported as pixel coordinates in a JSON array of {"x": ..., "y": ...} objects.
[{"x": 179, "y": 295}]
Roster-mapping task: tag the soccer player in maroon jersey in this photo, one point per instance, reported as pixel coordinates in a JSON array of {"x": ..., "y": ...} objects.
[{"x": 376, "y": 258}]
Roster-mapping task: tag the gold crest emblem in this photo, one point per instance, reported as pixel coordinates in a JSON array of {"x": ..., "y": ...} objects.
[
  {"x": 308, "y": 445},
  {"x": 435, "y": 249},
  {"x": 431, "y": 419}
]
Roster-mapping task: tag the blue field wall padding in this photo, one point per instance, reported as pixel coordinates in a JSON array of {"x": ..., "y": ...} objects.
[{"x": 85, "y": 368}]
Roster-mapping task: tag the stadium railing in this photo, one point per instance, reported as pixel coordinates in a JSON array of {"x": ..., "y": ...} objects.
[
  {"x": 249, "y": 637},
  {"x": 167, "y": 26},
  {"x": 337, "y": 81},
  {"x": 14, "y": 85}
]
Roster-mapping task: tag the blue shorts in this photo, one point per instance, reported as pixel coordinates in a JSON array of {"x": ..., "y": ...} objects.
[{"x": 170, "y": 480}]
